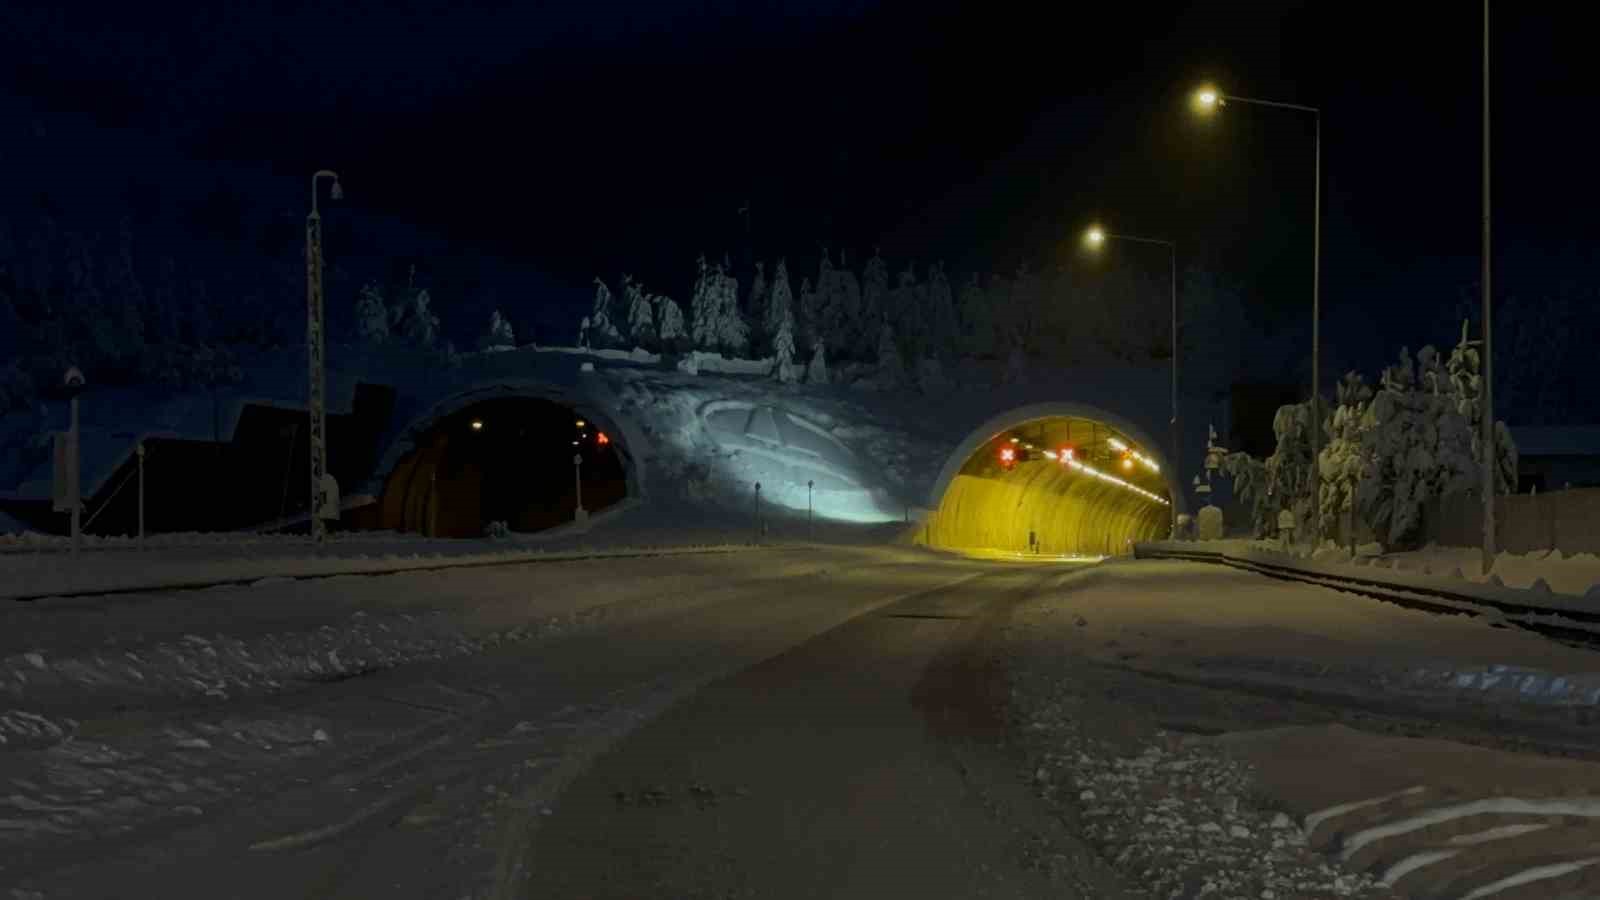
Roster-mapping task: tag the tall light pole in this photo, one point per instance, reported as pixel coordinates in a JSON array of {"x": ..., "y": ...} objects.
[
  {"x": 315, "y": 347},
  {"x": 1209, "y": 99},
  {"x": 1490, "y": 460},
  {"x": 1095, "y": 238}
]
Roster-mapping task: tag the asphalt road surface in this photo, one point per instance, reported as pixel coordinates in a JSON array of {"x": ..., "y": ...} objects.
[{"x": 811, "y": 723}]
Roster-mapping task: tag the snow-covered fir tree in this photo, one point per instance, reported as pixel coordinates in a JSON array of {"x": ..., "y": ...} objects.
[
  {"x": 784, "y": 368},
  {"x": 421, "y": 326},
  {"x": 755, "y": 304},
  {"x": 977, "y": 325},
  {"x": 891, "y": 369},
  {"x": 1343, "y": 459},
  {"x": 499, "y": 336},
  {"x": 817, "y": 370},
  {"x": 780, "y": 302},
  {"x": 874, "y": 290},
  {"x": 583, "y": 333},
  {"x": 941, "y": 315},
  {"x": 372, "y": 315},
  {"x": 671, "y": 333},
  {"x": 704, "y": 309},
  {"x": 733, "y": 336},
  {"x": 641, "y": 314},
  {"x": 603, "y": 331},
  {"x": 808, "y": 315}
]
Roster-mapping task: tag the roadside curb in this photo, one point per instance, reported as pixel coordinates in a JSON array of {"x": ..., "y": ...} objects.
[{"x": 335, "y": 566}]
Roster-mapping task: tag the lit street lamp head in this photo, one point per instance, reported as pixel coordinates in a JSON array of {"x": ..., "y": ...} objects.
[
  {"x": 1094, "y": 237},
  {"x": 1208, "y": 99}
]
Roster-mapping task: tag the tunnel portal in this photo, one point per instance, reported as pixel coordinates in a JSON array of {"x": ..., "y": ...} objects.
[
  {"x": 506, "y": 459},
  {"x": 1075, "y": 486}
]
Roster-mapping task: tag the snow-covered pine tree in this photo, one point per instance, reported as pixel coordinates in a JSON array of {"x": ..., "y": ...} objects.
[
  {"x": 127, "y": 299},
  {"x": 874, "y": 290},
  {"x": 583, "y": 333},
  {"x": 784, "y": 368},
  {"x": 372, "y": 315},
  {"x": 499, "y": 335},
  {"x": 977, "y": 326},
  {"x": 603, "y": 331},
  {"x": 704, "y": 312},
  {"x": 891, "y": 370},
  {"x": 641, "y": 316},
  {"x": 941, "y": 314},
  {"x": 780, "y": 302},
  {"x": 817, "y": 370},
  {"x": 1027, "y": 298},
  {"x": 733, "y": 336},
  {"x": 1342, "y": 462},
  {"x": 421, "y": 325},
  {"x": 671, "y": 334},
  {"x": 900, "y": 310},
  {"x": 808, "y": 317},
  {"x": 756, "y": 308}
]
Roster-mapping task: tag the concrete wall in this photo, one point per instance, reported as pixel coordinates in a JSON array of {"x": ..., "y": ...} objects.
[{"x": 1568, "y": 521}]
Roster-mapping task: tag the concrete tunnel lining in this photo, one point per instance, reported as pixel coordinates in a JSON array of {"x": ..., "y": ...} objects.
[{"x": 1072, "y": 512}]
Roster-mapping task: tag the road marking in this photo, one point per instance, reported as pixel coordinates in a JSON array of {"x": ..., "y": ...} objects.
[
  {"x": 1317, "y": 818},
  {"x": 1588, "y": 807},
  {"x": 1538, "y": 873},
  {"x": 1414, "y": 862}
]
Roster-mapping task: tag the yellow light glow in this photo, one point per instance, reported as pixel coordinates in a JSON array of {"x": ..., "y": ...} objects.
[
  {"x": 1208, "y": 99},
  {"x": 582, "y": 423},
  {"x": 1127, "y": 462},
  {"x": 477, "y": 424},
  {"x": 1095, "y": 236}
]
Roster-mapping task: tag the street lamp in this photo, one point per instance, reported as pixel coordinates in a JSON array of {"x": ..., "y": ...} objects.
[
  {"x": 1095, "y": 238},
  {"x": 315, "y": 347},
  {"x": 1490, "y": 460},
  {"x": 1209, "y": 99}
]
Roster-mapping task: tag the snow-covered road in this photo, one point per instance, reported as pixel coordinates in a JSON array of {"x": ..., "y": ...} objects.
[{"x": 419, "y": 734}]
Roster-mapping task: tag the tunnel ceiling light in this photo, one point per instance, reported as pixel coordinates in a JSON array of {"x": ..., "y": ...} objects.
[
  {"x": 582, "y": 423},
  {"x": 1092, "y": 471},
  {"x": 1146, "y": 461},
  {"x": 477, "y": 424}
]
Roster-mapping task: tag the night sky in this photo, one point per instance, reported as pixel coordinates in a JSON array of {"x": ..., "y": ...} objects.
[{"x": 601, "y": 137}]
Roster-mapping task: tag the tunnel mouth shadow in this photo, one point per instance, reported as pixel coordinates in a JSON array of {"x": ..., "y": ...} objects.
[
  {"x": 518, "y": 460},
  {"x": 1064, "y": 486}
]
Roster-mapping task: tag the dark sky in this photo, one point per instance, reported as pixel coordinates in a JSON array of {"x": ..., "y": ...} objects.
[{"x": 601, "y": 136}]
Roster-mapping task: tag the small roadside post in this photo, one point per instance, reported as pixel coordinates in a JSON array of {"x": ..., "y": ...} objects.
[
  {"x": 141, "y": 494},
  {"x": 581, "y": 515},
  {"x": 811, "y": 533},
  {"x": 758, "y": 512},
  {"x": 73, "y": 381}
]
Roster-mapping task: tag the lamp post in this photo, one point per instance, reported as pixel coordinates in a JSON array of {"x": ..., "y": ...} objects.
[
  {"x": 580, "y": 514},
  {"x": 1096, "y": 237},
  {"x": 1487, "y": 398},
  {"x": 1209, "y": 99},
  {"x": 315, "y": 347},
  {"x": 811, "y": 533}
]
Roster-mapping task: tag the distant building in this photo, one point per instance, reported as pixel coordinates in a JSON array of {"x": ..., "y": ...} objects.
[{"x": 1555, "y": 457}]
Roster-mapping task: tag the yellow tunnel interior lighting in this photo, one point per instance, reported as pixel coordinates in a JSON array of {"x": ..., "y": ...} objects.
[{"x": 1071, "y": 508}]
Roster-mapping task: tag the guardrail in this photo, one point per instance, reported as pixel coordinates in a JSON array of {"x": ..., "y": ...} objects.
[{"x": 1475, "y": 600}]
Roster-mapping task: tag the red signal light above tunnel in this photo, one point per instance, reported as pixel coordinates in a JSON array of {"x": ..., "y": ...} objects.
[
  {"x": 1008, "y": 457},
  {"x": 1066, "y": 454},
  {"x": 601, "y": 439}
]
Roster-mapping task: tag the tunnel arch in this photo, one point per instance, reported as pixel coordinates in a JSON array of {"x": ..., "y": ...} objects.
[
  {"x": 417, "y": 453},
  {"x": 1098, "y": 510}
]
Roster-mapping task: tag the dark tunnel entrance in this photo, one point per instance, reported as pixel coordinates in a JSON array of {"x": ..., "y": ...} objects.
[{"x": 508, "y": 459}]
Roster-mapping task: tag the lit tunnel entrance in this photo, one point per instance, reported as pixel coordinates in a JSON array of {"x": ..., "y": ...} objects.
[
  {"x": 1058, "y": 485},
  {"x": 507, "y": 459}
]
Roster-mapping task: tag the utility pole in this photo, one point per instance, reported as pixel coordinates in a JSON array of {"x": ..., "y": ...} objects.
[
  {"x": 1490, "y": 460},
  {"x": 580, "y": 514},
  {"x": 315, "y": 348},
  {"x": 141, "y": 495}
]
